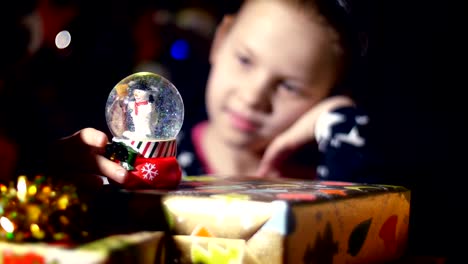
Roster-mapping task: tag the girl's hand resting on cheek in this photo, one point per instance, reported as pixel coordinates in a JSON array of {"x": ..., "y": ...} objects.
[{"x": 275, "y": 159}]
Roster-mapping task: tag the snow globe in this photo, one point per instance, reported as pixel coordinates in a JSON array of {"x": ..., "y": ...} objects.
[{"x": 144, "y": 113}]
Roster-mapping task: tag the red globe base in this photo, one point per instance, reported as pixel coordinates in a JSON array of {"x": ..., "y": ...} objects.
[{"x": 154, "y": 173}]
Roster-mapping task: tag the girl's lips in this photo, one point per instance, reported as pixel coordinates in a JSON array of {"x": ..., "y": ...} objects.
[{"x": 241, "y": 123}]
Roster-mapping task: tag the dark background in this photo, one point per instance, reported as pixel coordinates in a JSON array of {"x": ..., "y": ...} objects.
[{"x": 414, "y": 95}]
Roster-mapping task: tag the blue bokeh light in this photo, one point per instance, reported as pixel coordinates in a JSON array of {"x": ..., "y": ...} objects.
[{"x": 180, "y": 49}]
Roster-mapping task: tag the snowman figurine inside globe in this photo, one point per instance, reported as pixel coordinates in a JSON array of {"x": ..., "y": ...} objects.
[{"x": 144, "y": 113}]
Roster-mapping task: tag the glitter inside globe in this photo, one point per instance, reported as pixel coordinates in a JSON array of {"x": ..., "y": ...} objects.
[{"x": 145, "y": 107}]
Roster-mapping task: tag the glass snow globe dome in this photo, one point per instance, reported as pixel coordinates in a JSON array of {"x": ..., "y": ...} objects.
[{"x": 144, "y": 107}]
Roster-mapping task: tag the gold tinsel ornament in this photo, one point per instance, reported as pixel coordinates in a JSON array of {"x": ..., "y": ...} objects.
[{"x": 39, "y": 210}]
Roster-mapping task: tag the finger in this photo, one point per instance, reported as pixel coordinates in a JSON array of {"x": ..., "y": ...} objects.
[
  {"x": 276, "y": 153},
  {"x": 86, "y": 181},
  {"x": 111, "y": 169},
  {"x": 83, "y": 140},
  {"x": 93, "y": 137},
  {"x": 287, "y": 143}
]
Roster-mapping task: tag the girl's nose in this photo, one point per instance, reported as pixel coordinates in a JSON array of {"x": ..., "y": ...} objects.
[{"x": 257, "y": 92}]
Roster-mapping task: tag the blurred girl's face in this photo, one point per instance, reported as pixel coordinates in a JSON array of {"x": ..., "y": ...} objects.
[{"x": 270, "y": 65}]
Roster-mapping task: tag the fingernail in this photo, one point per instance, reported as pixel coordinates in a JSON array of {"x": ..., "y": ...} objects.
[
  {"x": 101, "y": 140},
  {"x": 120, "y": 175}
]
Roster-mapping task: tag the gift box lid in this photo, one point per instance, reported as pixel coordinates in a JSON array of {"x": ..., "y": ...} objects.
[{"x": 268, "y": 190}]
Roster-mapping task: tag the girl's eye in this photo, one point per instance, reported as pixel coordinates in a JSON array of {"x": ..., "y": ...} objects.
[
  {"x": 290, "y": 88},
  {"x": 244, "y": 60}
]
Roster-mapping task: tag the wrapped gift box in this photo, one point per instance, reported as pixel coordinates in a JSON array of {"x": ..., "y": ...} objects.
[
  {"x": 285, "y": 221},
  {"x": 138, "y": 247}
]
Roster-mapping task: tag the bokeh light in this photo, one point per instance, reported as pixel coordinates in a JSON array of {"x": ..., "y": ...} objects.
[{"x": 63, "y": 39}]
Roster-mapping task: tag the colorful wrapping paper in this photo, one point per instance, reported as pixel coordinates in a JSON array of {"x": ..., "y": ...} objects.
[
  {"x": 247, "y": 220},
  {"x": 138, "y": 247}
]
